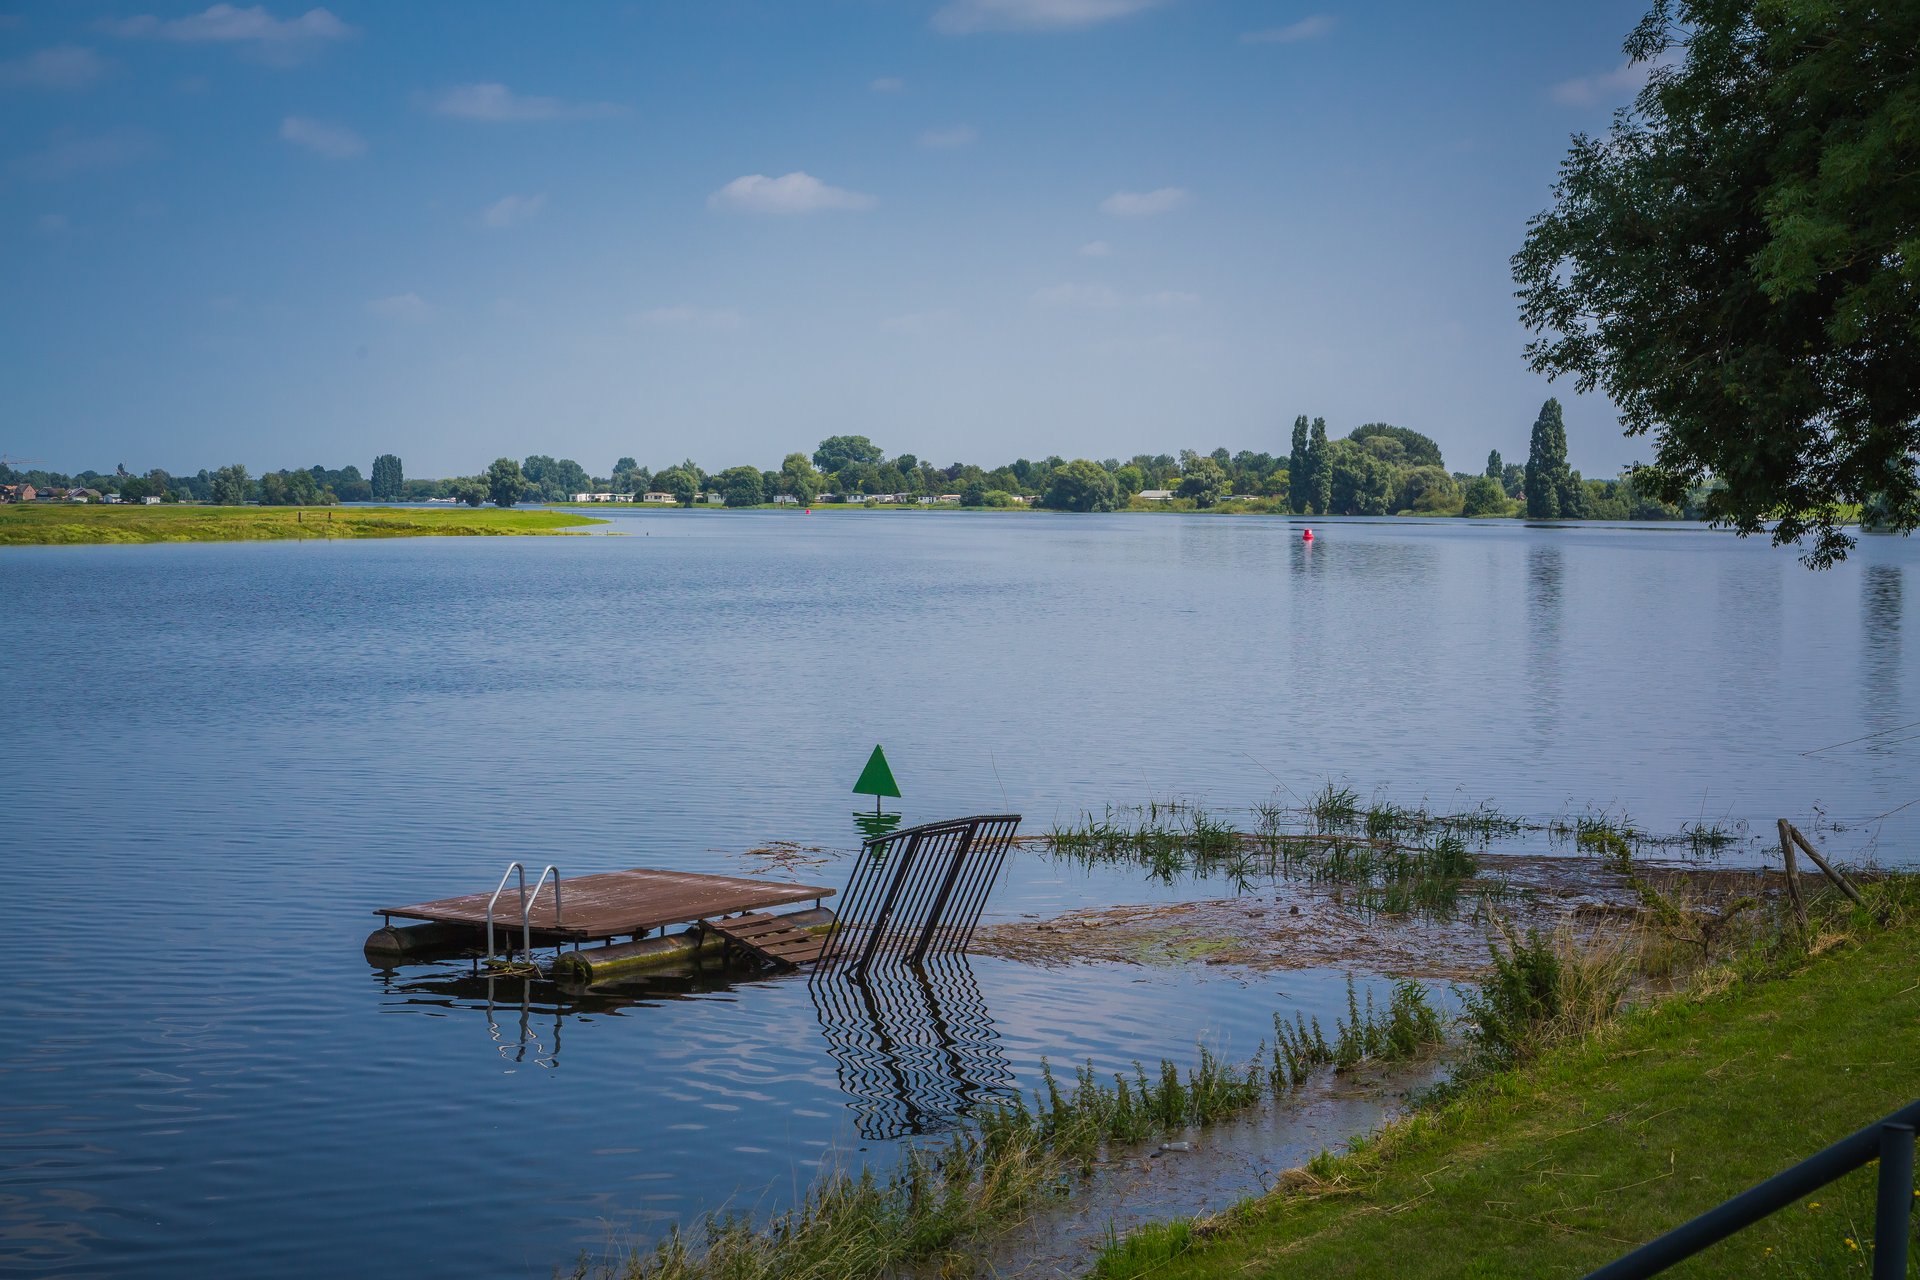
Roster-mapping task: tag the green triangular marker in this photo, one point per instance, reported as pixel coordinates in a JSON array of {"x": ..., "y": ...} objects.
[{"x": 876, "y": 779}]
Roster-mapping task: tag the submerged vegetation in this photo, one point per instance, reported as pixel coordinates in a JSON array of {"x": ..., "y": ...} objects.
[{"x": 1010, "y": 1158}]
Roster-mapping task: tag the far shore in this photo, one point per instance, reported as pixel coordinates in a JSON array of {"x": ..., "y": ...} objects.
[{"x": 75, "y": 524}]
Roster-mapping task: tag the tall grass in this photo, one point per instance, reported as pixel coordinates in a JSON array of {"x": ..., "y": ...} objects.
[{"x": 1008, "y": 1158}]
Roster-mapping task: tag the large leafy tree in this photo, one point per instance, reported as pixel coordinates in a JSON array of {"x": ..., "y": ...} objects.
[
  {"x": 1419, "y": 450},
  {"x": 741, "y": 487},
  {"x": 1204, "y": 480},
  {"x": 836, "y": 453},
  {"x": 229, "y": 485},
  {"x": 1081, "y": 485},
  {"x": 505, "y": 482},
  {"x": 798, "y": 478},
  {"x": 1737, "y": 263}
]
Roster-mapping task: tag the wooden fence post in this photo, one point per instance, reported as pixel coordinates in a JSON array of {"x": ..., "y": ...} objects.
[
  {"x": 1846, "y": 886},
  {"x": 1793, "y": 877}
]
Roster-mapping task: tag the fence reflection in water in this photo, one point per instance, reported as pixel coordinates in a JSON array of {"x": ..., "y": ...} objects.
[{"x": 914, "y": 1045}]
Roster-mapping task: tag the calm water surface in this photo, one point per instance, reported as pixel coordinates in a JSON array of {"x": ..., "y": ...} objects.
[{"x": 219, "y": 758}]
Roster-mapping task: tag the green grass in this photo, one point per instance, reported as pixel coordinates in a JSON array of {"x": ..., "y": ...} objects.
[
  {"x": 63, "y": 524},
  {"x": 1617, "y": 1134}
]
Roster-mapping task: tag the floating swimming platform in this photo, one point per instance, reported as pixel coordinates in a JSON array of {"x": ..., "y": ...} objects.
[{"x": 913, "y": 893}]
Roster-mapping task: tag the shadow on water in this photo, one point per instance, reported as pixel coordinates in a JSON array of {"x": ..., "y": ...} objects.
[{"x": 915, "y": 1046}]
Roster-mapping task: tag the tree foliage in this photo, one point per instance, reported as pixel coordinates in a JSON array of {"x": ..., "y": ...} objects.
[
  {"x": 1081, "y": 485},
  {"x": 839, "y": 452},
  {"x": 1204, "y": 480},
  {"x": 1737, "y": 263},
  {"x": 741, "y": 487},
  {"x": 1319, "y": 468},
  {"x": 505, "y": 482},
  {"x": 229, "y": 486},
  {"x": 1553, "y": 489},
  {"x": 1419, "y": 450},
  {"x": 389, "y": 481}
]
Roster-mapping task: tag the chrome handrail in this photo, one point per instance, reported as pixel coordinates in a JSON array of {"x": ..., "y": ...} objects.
[
  {"x": 527, "y": 903},
  {"x": 511, "y": 868}
]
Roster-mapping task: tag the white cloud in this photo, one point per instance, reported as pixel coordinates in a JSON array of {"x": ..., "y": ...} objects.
[
  {"x": 53, "y": 224},
  {"x": 1096, "y": 249},
  {"x": 712, "y": 319},
  {"x": 510, "y": 211},
  {"x": 275, "y": 39},
  {"x": 410, "y": 307},
  {"x": 68, "y": 154},
  {"x": 336, "y": 142},
  {"x": 1143, "y": 204},
  {"x": 65, "y": 66},
  {"x": 495, "y": 102},
  {"x": 961, "y": 135},
  {"x": 1612, "y": 86},
  {"x": 1101, "y": 297},
  {"x": 789, "y": 193},
  {"x": 888, "y": 84},
  {"x": 962, "y": 17},
  {"x": 1308, "y": 28}
]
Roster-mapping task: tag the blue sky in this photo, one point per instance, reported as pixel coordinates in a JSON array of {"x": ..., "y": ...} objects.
[{"x": 970, "y": 229}]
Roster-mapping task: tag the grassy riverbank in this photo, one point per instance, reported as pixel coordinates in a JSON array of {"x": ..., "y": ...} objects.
[
  {"x": 32, "y": 524},
  {"x": 1616, "y": 1134}
]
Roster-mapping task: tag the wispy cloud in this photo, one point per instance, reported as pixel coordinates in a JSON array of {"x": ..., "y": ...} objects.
[
  {"x": 1144, "y": 204},
  {"x": 336, "y": 142},
  {"x": 1102, "y": 297},
  {"x": 495, "y": 102},
  {"x": 68, "y": 154},
  {"x": 960, "y": 135},
  {"x": 686, "y": 319},
  {"x": 511, "y": 211},
  {"x": 281, "y": 40},
  {"x": 65, "y": 66},
  {"x": 789, "y": 193},
  {"x": 408, "y": 307},
  {"x": 1308, "y": 28},
  {"x": 888, "y": 84},
  {"x": 963, "y": 17},
  {"x": 1613, "y": 86},
  {"x": 1096, "y": 249}
]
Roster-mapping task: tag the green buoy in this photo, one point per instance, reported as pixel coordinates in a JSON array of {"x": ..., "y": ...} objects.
[{"x": 876, "y": 779}]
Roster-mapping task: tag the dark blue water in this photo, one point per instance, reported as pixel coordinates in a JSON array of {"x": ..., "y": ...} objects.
[{"x": 219, "y": 758}]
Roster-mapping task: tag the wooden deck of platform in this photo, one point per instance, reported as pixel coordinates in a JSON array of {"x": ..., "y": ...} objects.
[
  {"x": 771, "y": 938},
  {"x": 613, "y": 904}
]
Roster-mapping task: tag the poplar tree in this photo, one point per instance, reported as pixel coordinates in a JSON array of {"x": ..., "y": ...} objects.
[
  {"x": 388, "y": 480},
  {"x": 1547, "y": 464},
  {"x": 1495, "y": 468},
  {"x": 1320, "y": 468},
  {"x": 1297, "y": 467}
]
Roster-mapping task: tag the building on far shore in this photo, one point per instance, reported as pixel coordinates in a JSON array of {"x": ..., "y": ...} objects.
[
  {"x": 1155, "y": 495},
  {"x": 656, "y": 497},
  {"x": 603, "y": 497},
  {"x": 22, "y": 492}
]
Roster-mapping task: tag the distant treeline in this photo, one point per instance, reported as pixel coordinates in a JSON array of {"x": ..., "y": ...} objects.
[{"x": 1376, "y": 469}]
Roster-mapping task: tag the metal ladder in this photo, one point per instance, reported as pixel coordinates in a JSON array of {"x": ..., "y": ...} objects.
[{"x": 526, "y": 905}]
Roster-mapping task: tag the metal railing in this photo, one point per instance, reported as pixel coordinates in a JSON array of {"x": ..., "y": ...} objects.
[
  {"x": 526, "y": 906},
  {"x": 918, "y": 892},
  {"x": 1890, "y": 1141}
]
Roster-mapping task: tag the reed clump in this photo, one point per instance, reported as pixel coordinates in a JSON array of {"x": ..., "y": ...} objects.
[{"x": 1007, "y": 1158}]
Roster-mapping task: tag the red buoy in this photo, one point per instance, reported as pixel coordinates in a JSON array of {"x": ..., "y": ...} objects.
[{"x": 1307, "y": 536}]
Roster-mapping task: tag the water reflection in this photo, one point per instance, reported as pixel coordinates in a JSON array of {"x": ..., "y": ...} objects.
[
  {"x": 914, "y": 1045},
  {"x": 875, "y": 824},
  {"x": 1546, "y": 608},
  {"x": 1881, "y": 599}
]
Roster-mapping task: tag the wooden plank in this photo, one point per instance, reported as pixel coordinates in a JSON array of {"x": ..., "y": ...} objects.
[
  {"x": 614, "y": 903},
  {"x": 770, "y": 938}
]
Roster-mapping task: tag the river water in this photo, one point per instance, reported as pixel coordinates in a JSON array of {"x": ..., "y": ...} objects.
[{"x": 218, "y": 759}]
